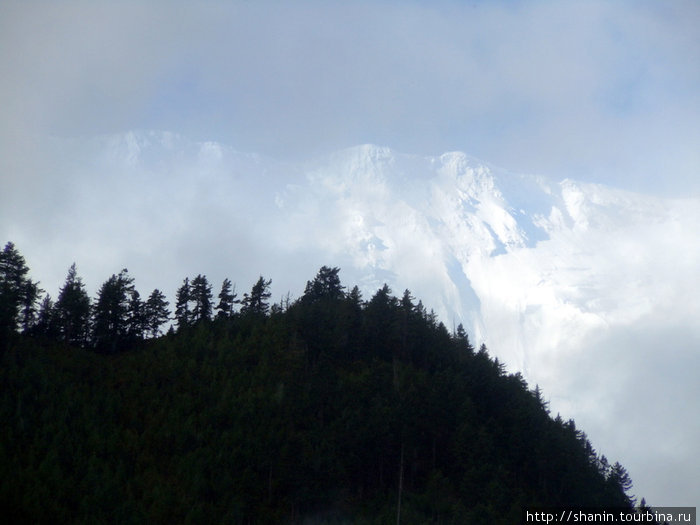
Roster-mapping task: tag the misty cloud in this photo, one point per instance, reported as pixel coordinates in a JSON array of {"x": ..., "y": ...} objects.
[{"x": 594, "y": 90}]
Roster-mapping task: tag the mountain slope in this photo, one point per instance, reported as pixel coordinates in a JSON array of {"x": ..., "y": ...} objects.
[{"x": 331, "y": 409}]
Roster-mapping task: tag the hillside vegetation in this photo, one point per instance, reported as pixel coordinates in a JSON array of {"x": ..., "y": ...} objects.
[{"x": 329, "y": 408}]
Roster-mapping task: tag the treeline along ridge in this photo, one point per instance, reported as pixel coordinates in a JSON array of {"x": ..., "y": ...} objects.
[{"x": 327, "y": 408}]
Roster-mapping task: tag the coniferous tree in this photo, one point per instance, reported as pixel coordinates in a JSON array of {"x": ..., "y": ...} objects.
[
  {"x": 111, "y": 316},
  {"x": 28, "y": 312},
  {"x": 407, "y": 314},
  {"x": 464, "y": 346},
  {"x": 353, "y": 312},
  {"x": 227, "y": 298},
  {"x": 137, "y": 317},
  {"x": 381, "y": 324},
  {"x": 72, "y": 310},
  {"x": 157, "y": 312},
  {"x": 620, "y": 484},
  {"x": 18, "y": 293},
  {"x": 46, "y": 324},
  {"x": 355, "y": 297},
  {"x": 382, "y": 299},
  {"x": 646, "y": 510},
  {"x": 183, "y": 317},
  {"x": 256, "y": 303},
  {"x": 321, "y": 323},
  {"x": 13, "y": 271},
  {"x": 541, "y": 402},
  {"x": 201, "y": 296},
  {"x": 326, "y": 285}
]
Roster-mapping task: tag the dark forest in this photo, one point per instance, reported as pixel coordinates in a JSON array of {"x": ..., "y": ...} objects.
[{"x": 330, "y": 408}]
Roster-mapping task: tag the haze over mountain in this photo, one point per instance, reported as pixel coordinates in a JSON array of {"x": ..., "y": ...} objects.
[{"x": 586, "y": 289}]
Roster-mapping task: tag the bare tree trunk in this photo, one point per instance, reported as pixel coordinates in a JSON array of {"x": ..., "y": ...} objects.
[
  {"x": 398, "y": 504},
  {"x": 394, "y": 366}
]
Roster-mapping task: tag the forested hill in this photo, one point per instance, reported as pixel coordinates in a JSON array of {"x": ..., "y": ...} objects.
[{"x": 329, "y": 408}]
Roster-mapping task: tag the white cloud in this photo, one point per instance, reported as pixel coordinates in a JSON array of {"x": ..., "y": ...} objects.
[{"x": 590, "y": 90}]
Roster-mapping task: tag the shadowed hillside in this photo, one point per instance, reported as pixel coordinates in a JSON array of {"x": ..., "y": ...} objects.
[{"x": 330, "y": 408}]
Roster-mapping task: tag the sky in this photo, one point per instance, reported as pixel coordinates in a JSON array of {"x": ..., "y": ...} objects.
[
  {"x": 599, "y": 92},
  {"x": 605, "y": 91}
]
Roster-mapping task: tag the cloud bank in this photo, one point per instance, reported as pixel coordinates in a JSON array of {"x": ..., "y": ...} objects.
[{"x": 599, "y": 91}]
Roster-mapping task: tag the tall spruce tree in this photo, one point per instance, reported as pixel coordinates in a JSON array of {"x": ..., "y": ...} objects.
[
  {"x": 28, "y": 308},
  {"x": 47, "y": 323},
  {"x": 201, "y": 296},
  {"x": 620, "y": 483},
  {"x": 157, "y": 312},
  {"x": 183, "y": 316},
  {"x": 18, "y": 293},
  {"x": 464, "y": 346},
  {"x": 227, "y": 298},
  {"x": 326, "y": 285},
  {"x": 256, "y": 303},
  {"x": 111, "y": 316},
  {"x": 137, "y": 317},
  {"x": 381, "y": 322},
  {"x": 72, "y": 310}
]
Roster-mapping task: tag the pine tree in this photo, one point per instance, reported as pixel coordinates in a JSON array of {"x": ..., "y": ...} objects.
[
  {"x": 464, "y": 346},
  {"x": 354, "y": 305},
  {"x": 201, "y": 296},
  {"x": 47, "y": 323},
  {"x": 543, "y": 404},
  {"x": 381, "y": 324},
  {"x": 227, "y": 298},
  {"x": 257, "y": 302},
  {"x": 112, "y": 311},
  {"x": 18, "y": 293},
  {"x": 407, "y": 314},
  {"x": 137, "y": 317},
  {"x": 72, "y": 310},
  {"x": 157, "y": 312},
  {"x": 183, "y": 317},
  {"x": 28, "y": 312},
  {"x": 355, "y": 297},
  {"x": 326, "y": 285},
  {"x": 620, "y": 483}
]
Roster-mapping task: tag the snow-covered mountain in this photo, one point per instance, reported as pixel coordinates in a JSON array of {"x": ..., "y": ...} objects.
[
  {"x": 591, "y": 292},
  {"x": 527, "y": 264},
  {"x": 524, "y": 262}
]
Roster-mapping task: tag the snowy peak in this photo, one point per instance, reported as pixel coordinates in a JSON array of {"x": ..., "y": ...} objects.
[
  {"x": 451, "y": 192},
  {"x": 510, "y": 255}
]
